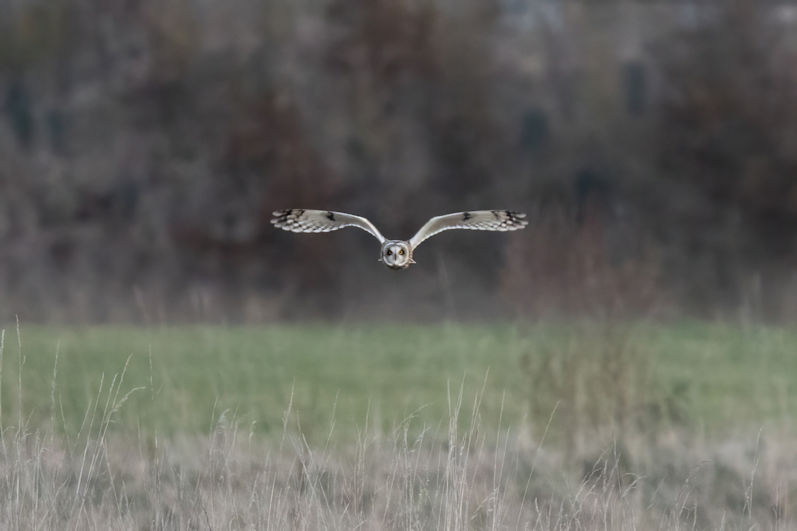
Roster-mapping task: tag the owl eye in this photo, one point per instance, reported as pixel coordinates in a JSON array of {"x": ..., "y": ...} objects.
[
  {"x": 389, "y": 253},
  {"x": 401, "y": 252}
]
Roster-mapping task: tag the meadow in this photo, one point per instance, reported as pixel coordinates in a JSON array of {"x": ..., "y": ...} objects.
[
  {"x": 546, "y": 425},
  {"x": 716, "y": 376}
]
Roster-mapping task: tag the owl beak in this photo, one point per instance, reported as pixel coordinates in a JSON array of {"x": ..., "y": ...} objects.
[
  {"x": 412, "y": 261},
  {"x": 379, "y": 259}
]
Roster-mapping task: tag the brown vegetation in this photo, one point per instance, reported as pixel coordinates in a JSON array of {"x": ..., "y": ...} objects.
[
  {"x": 465, "y": 479},
  {"x": 144, "y": 148}
]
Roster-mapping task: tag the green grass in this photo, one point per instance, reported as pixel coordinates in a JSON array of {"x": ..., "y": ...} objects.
[
  {"x": 711, "y": 376},
  {"x": 654, "y": 426}
]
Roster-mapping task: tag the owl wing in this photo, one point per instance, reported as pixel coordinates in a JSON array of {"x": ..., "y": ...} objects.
[
  {"x": 301, "y": 220},
  {"x": 499, "y": 220}
]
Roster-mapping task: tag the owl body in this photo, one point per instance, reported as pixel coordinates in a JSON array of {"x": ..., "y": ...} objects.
[{"x": 397, "y": 254}]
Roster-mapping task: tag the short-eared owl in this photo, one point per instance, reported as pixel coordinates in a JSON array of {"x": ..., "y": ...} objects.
[{"x": 397, "y": 254}]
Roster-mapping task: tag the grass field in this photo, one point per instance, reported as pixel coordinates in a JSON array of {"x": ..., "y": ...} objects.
[
  {"x": 710, "y": 375},
  {"x": 579, "y": 425}
]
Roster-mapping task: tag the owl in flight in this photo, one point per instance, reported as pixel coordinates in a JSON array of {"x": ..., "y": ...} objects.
[{"x": 397, "y": 254}]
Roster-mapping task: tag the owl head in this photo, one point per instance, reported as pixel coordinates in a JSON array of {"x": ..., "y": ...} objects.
[{"x": 396, "y": 254}]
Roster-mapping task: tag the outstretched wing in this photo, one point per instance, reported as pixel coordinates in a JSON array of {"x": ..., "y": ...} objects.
[
  {"x": 500, "y": 220},
  {"x": 301, "y": 220}
]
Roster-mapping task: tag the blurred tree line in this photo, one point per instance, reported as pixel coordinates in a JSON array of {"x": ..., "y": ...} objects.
[{"x": 145, "y": 144}]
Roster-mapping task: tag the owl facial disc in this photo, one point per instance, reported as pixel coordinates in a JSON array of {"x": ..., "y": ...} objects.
[{"x": 396, "y": 254}]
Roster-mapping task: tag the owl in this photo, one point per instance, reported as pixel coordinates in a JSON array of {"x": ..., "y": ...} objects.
[{"x": 397, "y": 254}]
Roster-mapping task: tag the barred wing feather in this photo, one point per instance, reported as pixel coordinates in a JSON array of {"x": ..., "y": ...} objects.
[
  {"x": 303, "y": 220},
  {"x": 494, "y": 220}
]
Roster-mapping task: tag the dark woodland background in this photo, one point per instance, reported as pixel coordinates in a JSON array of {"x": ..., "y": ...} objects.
[{"x": 144, "y": 144}]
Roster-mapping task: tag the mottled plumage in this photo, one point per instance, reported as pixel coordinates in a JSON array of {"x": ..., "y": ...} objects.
[{"x": 397, "y": 254}]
